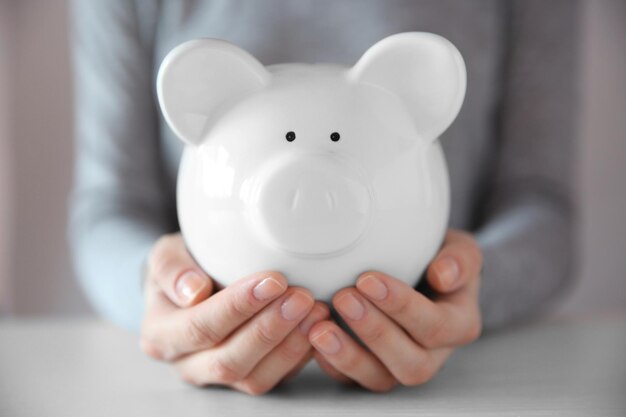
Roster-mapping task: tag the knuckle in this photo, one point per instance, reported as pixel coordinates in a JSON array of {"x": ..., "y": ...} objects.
[
  {"x": 466, "y": 242},
  {"x": 384, "y": 384},
  {"x": 192, "y": 375},
  {"x": 252, "y": 386},
  {"x": 435, "y": 333},
  {"x": 415, "y": 380},
  {"x": 464, "y": 235},
  {"x": 191, "y": 378},
  {"x": 473, "y": 249},
  {"x": 200, "y": 334},
  {"x": 291, "y": 352},
  {"x": 416, "y": 374},
  {"x": 160, "y": 266},
  {"x": 151, "y": 348},
  {"x": 477, "y": 255},
  {"x": 162, "y": 246},
  {"x": 473, "y": 332},
  {"x": 225, "y": 372},
  {"x": 164, "y": 261},
  {"x": 373, "y": 334},
  {"x": 240, "y": 308},
  {"x": 158, "y": 248},
  {"x": 350, "y": 362},
  {"x": 399, "y": 307},
  {"x": 266, "y": 335}
]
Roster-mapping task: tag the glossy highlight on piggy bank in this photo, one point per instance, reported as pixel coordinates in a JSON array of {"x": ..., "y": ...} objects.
[{"x": 319, "y": 171}]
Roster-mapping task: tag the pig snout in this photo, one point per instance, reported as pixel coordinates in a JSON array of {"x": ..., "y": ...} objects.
[{"x": 311, "y": 205}]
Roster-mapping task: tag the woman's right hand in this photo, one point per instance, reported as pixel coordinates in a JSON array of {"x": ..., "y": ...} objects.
[{"x": 249, "y": 336}]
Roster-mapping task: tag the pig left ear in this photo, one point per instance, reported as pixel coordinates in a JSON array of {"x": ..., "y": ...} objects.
[
  {"x": 425, "y": 70},
  {"x": 199, "y": 78}
]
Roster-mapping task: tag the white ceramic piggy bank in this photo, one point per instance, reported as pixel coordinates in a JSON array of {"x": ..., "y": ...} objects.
[{"x": 321, "y": 172}]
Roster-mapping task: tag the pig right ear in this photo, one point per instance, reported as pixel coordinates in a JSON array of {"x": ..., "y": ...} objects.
[{"x": 200, "y": 77}]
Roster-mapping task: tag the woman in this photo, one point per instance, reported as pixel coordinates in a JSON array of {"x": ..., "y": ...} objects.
[{"x": 509, "y": 154}]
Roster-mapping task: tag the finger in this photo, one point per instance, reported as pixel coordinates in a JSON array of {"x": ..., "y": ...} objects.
[
  {"x": 349, "y": 358},
  {"x": 458, "y": 261},
  {"x": 298, "y": 368},
  {"x": 233, "y": 360},
  {"x": 407, "y": 361},
  {"x": 452, "y": 320},
  {"x": 171, "y": 268},
  {"x": 287, "y": 359},
  {"x": 314, "y": 317},
  {"x": 205, "y": 325},
  {"x": 329, "y": 369}
]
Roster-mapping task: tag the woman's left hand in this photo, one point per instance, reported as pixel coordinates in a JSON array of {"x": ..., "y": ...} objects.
[{"x": 408, "y": 336}]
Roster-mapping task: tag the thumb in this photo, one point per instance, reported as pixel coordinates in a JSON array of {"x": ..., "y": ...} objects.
[
  {"x": 172, "y": 269},
  {"x": 458, "y": 262}
]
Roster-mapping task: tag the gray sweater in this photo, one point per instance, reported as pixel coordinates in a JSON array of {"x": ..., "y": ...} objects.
[{"x": 510, "y": 151}]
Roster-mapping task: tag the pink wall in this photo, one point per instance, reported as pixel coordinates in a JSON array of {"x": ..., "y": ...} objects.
[
  {"x": 44, "y": 281},
  {"x": 602, "y": 172},
  {"x": 7, "y": 40}
]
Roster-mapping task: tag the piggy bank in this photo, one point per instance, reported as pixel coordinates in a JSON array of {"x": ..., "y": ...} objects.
[{"x": 319, "y": 171}]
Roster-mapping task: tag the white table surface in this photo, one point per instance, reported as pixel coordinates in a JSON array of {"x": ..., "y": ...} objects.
[{"x": 89, "y": 368}]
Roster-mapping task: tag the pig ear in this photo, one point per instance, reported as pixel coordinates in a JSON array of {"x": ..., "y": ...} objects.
[
  {"x": 425, "y": 70},
  {"x": 198, "y": 78}
]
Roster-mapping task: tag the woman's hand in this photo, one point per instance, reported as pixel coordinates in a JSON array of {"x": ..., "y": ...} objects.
[
  {"x": 249, "y": 336},
  {"x": 408, "y": 336}
]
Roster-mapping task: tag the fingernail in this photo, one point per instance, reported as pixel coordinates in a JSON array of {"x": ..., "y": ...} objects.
[
  {"x": 350, "y": 307},
  {"x": 327, "y": 342},
  {"x": 296, "y": 306},
  {"x": 313, "y": 317},
  {"x": 189, "y": 285},
  {"x": 373, "y": 287},
  {"x": 448, "y": 271},
  {"x": 267, "y": 289}
]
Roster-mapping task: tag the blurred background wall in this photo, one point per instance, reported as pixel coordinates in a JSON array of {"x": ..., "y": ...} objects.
[
  {"x": 41, "y": 155},
  {"x": 36, "y": 160},
  {"x": 7, "y": 41},
  {"x": 602, "y": 169}
]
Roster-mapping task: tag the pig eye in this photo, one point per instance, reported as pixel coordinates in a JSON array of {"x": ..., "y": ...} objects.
[
  {"x": 290, "y": 136},
  {"x": 335, "y": 136}
]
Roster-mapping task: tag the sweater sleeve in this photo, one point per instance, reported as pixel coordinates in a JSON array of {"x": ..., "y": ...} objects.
[
  {"x": 527, "y": 232},
  {"x": 118, "y": 208}
]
